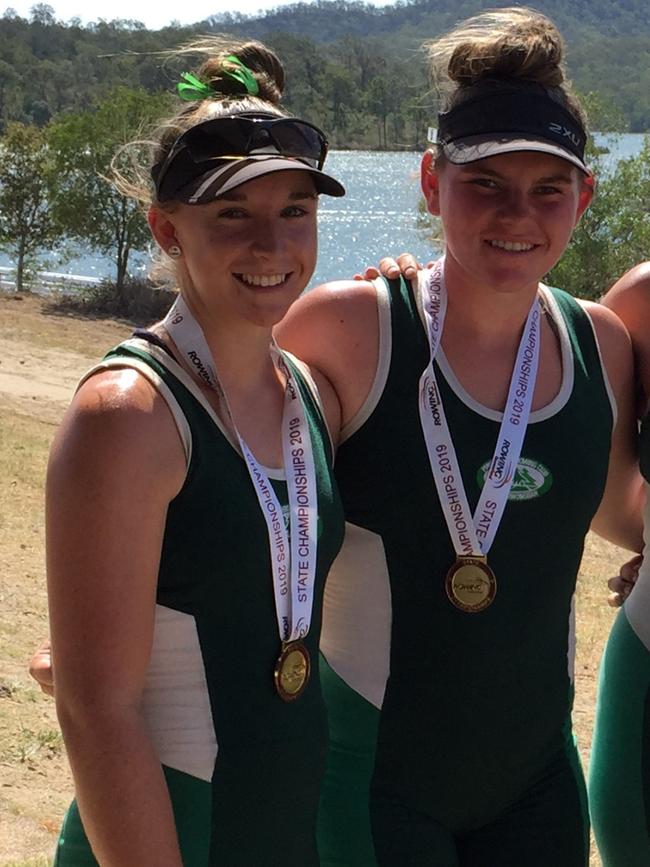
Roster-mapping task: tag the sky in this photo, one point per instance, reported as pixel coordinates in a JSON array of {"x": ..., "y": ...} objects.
[{"x": 154, "y": 14}]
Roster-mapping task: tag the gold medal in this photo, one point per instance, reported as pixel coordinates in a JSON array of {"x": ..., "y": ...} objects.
[
  {"x": 291, "y": 672},
  {"x": 471, "y": 584}
]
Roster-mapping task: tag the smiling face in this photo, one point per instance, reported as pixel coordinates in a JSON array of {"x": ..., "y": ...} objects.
[
  {"x": 248, "y": 254},
  {"x": 507, "y": 219}
]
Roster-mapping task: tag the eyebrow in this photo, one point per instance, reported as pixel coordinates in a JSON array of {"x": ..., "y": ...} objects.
[
  {"x": 549, "y": 179},
  {"x": 555, "y": 179},
  {"x": 241, "y": 197}
]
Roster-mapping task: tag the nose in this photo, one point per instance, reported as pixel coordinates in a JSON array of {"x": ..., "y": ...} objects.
[
  {"x": 515, "y": 205},
  {"x": 268, "y": 239}
]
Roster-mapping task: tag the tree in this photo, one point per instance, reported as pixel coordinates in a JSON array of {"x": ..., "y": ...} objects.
[
  {"x": 614, "y": 233},
  {"x": 380, "y": 102},
  {"x": 339, "y": 92},
  {"x": 87, "y": 204},
  {"x": 27, "y": 223}
]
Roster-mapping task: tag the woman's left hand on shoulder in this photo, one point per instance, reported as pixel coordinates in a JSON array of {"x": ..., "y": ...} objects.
[{"x": 406, "y": 265}]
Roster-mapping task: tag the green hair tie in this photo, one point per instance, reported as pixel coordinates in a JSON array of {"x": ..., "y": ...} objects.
[
  {"x": 191, "y": 88},
  {"x": 243, "y": 75}
]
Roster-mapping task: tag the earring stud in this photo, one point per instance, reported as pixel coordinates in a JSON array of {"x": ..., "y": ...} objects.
[{"x": 174, "y": 251}]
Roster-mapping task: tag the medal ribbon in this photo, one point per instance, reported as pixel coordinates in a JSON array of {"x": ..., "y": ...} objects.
[
  {"x": 473, "y": 535},
  {"x": 293, "y": 554}
]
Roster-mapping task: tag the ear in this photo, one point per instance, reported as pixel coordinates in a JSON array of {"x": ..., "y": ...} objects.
[
  {"x": 429, "y": 182},
  {"x": 587, "y": 190},
  {"x": 162, "y": 227}
]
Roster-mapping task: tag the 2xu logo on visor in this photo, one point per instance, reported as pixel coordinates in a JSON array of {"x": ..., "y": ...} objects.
[
  {"x": 494, "y": 111},
  {"x": 237, "y": 136}
]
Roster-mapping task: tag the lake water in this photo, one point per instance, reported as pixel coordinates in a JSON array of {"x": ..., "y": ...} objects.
[{"x": 378, "y": 216}]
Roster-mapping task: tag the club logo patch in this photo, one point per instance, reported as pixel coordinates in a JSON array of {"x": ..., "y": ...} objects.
[{"x": 532, "y": 479}]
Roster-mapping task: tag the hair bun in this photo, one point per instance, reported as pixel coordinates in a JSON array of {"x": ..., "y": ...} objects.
[
  {"x": 263, "y": 64},
  {"x": 510, "y": 43}
]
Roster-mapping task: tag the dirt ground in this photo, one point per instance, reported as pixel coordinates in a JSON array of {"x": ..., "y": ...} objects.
[{"x": 42, "y": 355}]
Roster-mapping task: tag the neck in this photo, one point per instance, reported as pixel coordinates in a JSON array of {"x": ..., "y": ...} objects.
[
  {"x": 240, "y": 350},
  {"x": 487, "y": 314}
]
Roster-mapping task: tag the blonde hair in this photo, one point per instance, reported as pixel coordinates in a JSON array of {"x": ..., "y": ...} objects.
[
  {"x": 132, "y": 164},
  {"x": 511, "y": 46}
]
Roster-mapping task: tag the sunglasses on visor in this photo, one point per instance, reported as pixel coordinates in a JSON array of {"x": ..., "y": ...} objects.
[{"x": 236, "y": 137}]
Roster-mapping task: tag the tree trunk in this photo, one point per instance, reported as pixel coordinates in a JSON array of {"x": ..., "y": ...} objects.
[
  {"x": 20, "y": 267},
  {"x": 122, "y": 264}
]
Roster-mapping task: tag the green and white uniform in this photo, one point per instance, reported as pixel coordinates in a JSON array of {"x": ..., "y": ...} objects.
[
  {"x": 619, "y": 770},
  {"x": 243, "y": 767},
  {"x": 472, "y": 759}
]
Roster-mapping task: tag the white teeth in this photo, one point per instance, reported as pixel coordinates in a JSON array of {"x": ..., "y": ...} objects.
[
  {"x": 263, "y": 279},
  {"x": 512, "y": 246}
]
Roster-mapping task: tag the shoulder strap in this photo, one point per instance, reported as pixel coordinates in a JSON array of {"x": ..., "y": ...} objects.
[
  {"x": 588, "y": 360},
  {"x": 311, "y": 399}
]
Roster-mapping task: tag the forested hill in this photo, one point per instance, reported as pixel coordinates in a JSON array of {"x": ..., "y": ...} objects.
[
  {"x": 351, "y": 67},
  {"x": 330, "y": 20}
]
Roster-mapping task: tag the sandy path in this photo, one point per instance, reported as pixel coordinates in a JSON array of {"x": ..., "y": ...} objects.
[{"x": 32, "y": 373}]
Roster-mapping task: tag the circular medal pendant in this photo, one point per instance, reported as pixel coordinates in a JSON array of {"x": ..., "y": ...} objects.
[
  {"x": 471, "y": 584},
  {"x": 292, "y": 669}
]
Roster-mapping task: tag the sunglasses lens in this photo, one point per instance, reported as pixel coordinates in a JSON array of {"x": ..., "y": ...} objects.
[
  {"x": 217, "y": 138},
  {"x": 297, "y": 139},
  {"x": 225, "y": 137},
  {"x": 233, "y": 136}
]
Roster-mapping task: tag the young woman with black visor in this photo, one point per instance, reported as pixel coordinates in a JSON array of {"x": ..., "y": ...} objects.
[
  {"x": 192, "y": 515},
  {"x": 487, "y": 424}
]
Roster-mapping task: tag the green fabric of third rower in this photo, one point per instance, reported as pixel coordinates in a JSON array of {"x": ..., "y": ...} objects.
[{"x": 619, "y": 770}]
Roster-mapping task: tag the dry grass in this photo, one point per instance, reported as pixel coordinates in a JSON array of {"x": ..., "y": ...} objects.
[{"x": 41, "y": 356}]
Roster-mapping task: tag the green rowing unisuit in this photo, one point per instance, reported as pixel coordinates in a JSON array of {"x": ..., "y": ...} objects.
[
  {"x": 619, "y": 769},
  {"x": 243, "y": 767},
  {"x": 471, "y": 760}
]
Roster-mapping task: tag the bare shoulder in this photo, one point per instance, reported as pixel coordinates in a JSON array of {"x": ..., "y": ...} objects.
[
  {"x": 334, "y": 328},
  {"x": 342, "y": 304},
  {"x": 607, "y": 323},
  {"x": 615, "y": 346},
  {"x": 118, "y": 425},
  {"x": 629, "y": 297}
]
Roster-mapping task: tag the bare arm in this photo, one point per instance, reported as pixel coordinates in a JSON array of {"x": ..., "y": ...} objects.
[
  {"x": 629, "y": 298},
  {"x": 335, "y": 330},
  {"x": 106, "y": 503},
  {"x": 620, "y": 515}
]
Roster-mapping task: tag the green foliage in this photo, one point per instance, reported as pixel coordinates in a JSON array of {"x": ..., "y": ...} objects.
[
  {"x": 87, "y": 205},
  {"x": 138, "y": 300},
  {"x": 27, "y": 178},
  {"x": 351, "y": 67},
  {"x": 603, "y": 113},
  {"x": 614, "y": 233}
]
